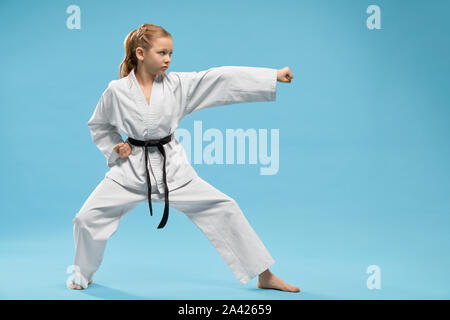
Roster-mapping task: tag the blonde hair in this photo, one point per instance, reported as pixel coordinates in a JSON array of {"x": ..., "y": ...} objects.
[{"x": 140, "y": 37}]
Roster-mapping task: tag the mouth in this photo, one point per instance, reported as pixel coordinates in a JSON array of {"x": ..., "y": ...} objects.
[{"x": 165, "y": 67}]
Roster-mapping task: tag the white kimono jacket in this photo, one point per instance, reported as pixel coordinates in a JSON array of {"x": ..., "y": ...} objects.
[{"x": 123, "y": 106}]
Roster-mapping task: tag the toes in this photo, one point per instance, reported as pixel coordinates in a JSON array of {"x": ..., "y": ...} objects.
[
  {"x": 75, "y": 286},
  {"x": 295, "y": 289}
]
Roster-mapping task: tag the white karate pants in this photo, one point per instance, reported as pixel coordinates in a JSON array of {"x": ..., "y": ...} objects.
[{"x": 217, "y": 215}]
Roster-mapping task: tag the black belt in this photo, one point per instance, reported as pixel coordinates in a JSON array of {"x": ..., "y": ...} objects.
[{"x": 159, "y": 143}]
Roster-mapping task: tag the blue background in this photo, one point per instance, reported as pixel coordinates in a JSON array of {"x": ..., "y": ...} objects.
[{"x": 364, "y": 152}]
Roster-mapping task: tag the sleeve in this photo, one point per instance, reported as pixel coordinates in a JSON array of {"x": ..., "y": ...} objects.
[
  {"x": 226, "y": 85},
  {"x": 103, "y": 133}
]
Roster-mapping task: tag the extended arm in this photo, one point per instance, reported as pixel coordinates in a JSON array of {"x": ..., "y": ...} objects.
[{"x": 226, "y": 85}]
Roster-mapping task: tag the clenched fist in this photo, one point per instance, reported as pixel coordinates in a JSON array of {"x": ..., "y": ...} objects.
[
  {"x": 284, "y": 75},
  {"x": 123, "y": 149}
]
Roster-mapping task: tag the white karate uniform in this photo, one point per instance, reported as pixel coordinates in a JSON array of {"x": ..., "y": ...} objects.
[{"x": 123, "y": 106}]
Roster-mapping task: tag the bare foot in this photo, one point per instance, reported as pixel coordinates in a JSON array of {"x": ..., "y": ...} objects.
[
  {"x": 77, "y": 286},
  {"x": 267, "y": 280}
]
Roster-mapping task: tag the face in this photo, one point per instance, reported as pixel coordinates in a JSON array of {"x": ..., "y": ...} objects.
[{"x": 154, "y": 59}]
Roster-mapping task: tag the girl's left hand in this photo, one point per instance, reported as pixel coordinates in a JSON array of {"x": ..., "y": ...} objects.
[{"x": 284, "y": 75}]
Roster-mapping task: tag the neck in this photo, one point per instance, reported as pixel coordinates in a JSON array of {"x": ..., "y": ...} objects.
[{"x": 143, "y": 76}]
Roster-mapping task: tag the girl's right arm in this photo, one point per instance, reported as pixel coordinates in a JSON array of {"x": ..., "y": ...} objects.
[{"x": 104, "y": 134}]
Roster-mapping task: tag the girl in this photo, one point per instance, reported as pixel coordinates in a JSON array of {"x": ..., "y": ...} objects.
[{"x": 147, "y": 104}]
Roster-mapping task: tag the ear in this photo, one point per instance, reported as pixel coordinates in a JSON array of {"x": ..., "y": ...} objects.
[{"x": 140, "y": 53}]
